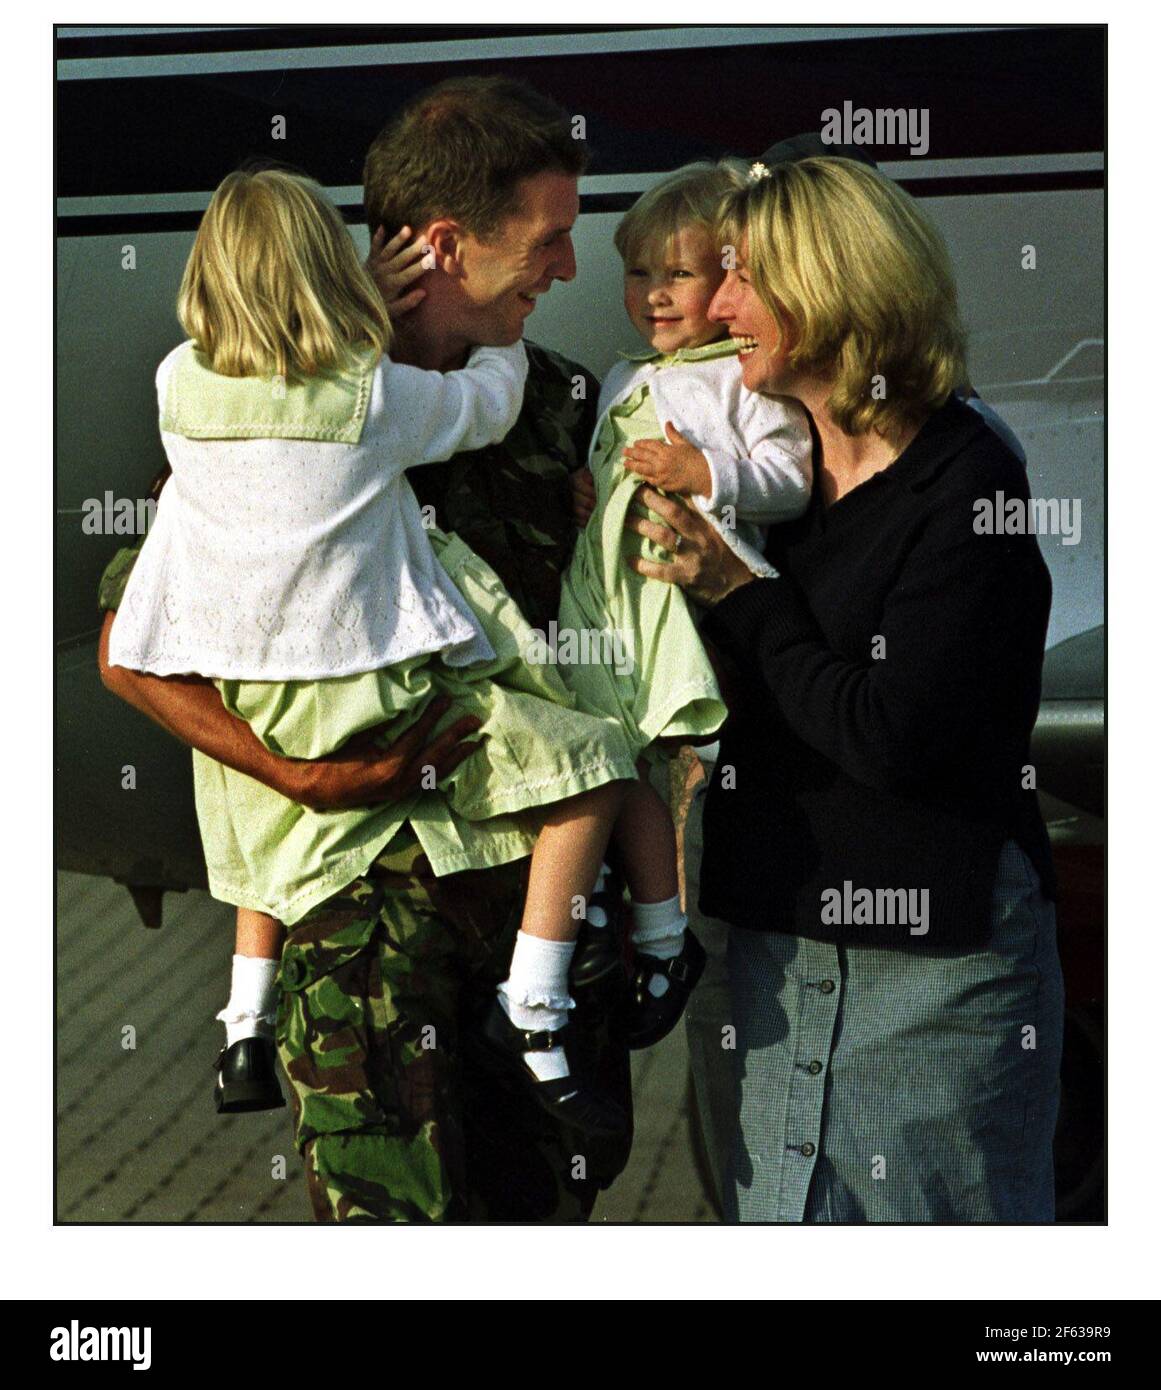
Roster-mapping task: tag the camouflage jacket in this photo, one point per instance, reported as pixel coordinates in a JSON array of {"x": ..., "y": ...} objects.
[{"x": 510, "y": 502}]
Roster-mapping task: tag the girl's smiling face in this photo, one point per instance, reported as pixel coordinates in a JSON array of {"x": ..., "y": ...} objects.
[{"x": 668, "y": 289}]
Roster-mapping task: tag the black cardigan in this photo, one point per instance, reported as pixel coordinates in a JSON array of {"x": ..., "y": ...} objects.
[{"x": 895, "y": 763}]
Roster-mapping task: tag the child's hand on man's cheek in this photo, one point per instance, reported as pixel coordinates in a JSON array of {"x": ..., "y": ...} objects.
[
  {"x": 676, "y": 466},
  {"x": 395, "y": 265}
]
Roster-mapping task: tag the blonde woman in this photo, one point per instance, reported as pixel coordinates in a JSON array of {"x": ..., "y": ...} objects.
[
  {"x": 879, "y": 850},
  {"x": 290, "y": 563}
]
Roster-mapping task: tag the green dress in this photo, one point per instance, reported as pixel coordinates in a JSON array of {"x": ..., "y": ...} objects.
[
  {"x": 669, "y": 688},
  {"x": 540, "y": 743}
]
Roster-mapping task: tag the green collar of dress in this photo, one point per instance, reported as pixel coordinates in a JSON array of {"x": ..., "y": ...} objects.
[
  {"x": 721, "y": 347},
  {"x": 203, "y": 404}
]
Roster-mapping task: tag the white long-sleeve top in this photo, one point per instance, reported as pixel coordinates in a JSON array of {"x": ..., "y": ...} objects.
[
  {"x": 758, "y": 447},
  {"x": 303, "y": 558}
]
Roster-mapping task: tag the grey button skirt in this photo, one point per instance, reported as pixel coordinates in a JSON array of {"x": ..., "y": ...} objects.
[{"x": 893, "y": 1085}]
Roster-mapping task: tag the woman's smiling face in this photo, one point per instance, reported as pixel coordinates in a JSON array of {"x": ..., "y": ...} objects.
[
  {"x": 738, "y": 305},
  {"x": 668, "y": 289}
]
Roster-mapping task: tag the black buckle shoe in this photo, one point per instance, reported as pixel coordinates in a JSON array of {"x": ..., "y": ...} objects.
[
  {"x": 566, "y": 1098},
  {"x": 246, "y": 1078},
  {"x": 650, "y": 1018}
]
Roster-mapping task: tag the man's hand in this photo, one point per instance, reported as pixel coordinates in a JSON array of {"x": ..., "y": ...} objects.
[
  {"x": 363, "y": 774},
  {"x": 703, "y": 564},
  {"x": 676, "y": 466},
  {"x": 583, "y": 487},
  {"x": 394, "y": 266}
]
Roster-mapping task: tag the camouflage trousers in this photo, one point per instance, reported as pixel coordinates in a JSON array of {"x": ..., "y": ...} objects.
[{"x": 394, "y": 1116}]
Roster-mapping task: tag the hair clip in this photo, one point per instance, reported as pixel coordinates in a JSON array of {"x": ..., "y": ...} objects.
[{"x": 758, "y": 171}]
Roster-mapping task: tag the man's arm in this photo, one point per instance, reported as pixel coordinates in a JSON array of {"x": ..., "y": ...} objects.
[
  {"x": 190, "y": 708},
  {"x": 359, "y": 774}
]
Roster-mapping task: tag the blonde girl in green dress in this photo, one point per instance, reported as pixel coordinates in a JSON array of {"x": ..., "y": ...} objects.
[
  {"x": 676, "y": 416},
  {"x": 289, "y": 563}
]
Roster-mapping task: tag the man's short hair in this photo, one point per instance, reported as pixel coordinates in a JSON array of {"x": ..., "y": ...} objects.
[{"x": 460, "y": 149}]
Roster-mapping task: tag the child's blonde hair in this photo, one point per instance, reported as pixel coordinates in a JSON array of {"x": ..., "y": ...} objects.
[
  {"x": 690, "y": 196},
  {"x": 273, "y": 284},
  {"x": 860, "y": 279}
]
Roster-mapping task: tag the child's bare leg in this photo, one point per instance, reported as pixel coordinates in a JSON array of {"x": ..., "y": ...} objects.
[
  {"x": 567, "y": 858},
  {"x": 565, "y": 863},
  {"x": 647, "y": 839},
  {"x": 258, "y": 934},
  {"x": 253, "y": 1001}
]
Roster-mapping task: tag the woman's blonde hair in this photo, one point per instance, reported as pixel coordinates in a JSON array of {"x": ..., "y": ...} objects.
[
  {"x": 861, "y": 282},
  {"x": 273, "y": 284},
  {"x": 690, "y": 196}
]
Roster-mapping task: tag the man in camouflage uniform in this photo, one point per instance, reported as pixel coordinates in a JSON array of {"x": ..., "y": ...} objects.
[{"x": 382, "y": 983}]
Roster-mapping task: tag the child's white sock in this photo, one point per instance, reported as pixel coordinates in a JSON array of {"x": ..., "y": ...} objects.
[
  {"x": 597, "y": 916},
  {"x": 253, "y": 1004},
  {"x": 659, "y": 930},
  {"x": 535, "y": 996}
]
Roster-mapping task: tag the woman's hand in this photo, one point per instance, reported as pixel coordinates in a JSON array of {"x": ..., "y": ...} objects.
[
  {"x": 676, "y": 466},
  {"x": 583, "y": 488},
  {"x": 363, "y": 774},
  {"x": 703, "y": 564},
  {"x": 394, "y": 265}
]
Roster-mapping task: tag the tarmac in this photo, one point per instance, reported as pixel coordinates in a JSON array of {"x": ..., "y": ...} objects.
[{"x": 138, "y": 1139}]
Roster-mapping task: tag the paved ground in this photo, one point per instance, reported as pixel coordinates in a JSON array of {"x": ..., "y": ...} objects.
[{"x": 137, "y": 1135}]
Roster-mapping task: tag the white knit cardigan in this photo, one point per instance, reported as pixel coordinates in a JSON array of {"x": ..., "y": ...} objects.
[
  {"x": 302, "y": 558},
  {"x": 758, "y": 447}
]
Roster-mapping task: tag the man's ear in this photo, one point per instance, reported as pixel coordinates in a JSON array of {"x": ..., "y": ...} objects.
[{"x": 445, "y": 237}]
